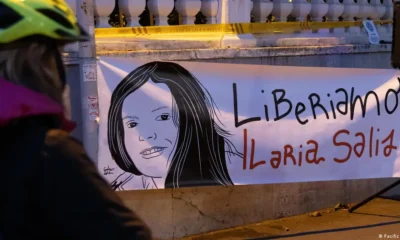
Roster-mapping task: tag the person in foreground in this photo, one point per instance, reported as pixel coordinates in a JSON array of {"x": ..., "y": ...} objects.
[{"x": 49, "y": 188}]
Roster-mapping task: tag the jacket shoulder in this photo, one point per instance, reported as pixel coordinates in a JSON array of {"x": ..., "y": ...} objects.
[
  {"x": 60, "y": 145},
  {"x": 56, "y": 137},
  {"x": 60, "y": 140}
]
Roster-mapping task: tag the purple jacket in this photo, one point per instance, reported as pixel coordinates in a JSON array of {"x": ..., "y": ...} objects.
[{"x": 49, "y": 188}]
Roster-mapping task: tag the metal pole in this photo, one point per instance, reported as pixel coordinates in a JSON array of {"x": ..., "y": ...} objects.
[{"x": 88, "y": 80}]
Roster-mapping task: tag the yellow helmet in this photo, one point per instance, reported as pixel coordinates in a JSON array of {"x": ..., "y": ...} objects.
[{"x": 53, "y": 19}]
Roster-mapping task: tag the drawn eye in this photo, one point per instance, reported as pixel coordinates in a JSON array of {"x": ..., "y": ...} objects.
[
  {"x": 163, "y": 117},
  {"x": 131, "y": 124}
]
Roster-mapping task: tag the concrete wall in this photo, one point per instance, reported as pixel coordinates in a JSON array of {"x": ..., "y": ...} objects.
[
  {"x": 175, "y": 213},
  {"x": 360, "y": 60},
  {"x": 74, "y": 96}
]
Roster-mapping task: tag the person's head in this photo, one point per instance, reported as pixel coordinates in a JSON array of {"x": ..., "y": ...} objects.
[
  {"x": 162, "y": 124},
  {"x": 32, "y": 32}
]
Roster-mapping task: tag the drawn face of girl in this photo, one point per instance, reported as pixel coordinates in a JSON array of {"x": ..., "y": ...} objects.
[{"x": 150, "y": 133}]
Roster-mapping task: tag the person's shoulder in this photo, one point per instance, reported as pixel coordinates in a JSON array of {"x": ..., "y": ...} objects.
[
  {"x": 56, "y": 137},
  {"x": 60, "y": 144},
  {"x": 62, "y": 151}
]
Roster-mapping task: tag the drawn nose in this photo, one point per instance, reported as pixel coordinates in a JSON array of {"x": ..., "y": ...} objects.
[{"x": 151, "y": 136}]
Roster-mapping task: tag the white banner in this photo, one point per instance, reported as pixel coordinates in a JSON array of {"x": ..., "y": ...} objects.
[{"x": 166, "y": 124}]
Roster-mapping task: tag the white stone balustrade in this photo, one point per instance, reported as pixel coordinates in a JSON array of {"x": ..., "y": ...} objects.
[
  {"x": 239, "y": 11},
  {"x": 301, "y": 9},
  {"x": 319, "y": 8},
  {"x": 132, "y": 9},
  {"x": 366, "y": 9},
  {"x": 210, "y": 8},
  {"x": 379, "y": 9},
  {"x": 388, "y": 15},
  {"x": 350, "y": 11},
  {"x": 261, "y": 10},
  {"x": 188, "y": 10},
  {"x": 379, "y": 12},
  {"x": 335, "y": 10},
  {"x": 282, "y": 9},
  {"x": 102, "y": 10},
  {"x": 235, "y": 11},
  {"x": 160, "y": 10}
]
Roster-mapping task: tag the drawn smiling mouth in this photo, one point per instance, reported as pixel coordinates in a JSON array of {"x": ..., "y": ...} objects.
[{"x": 152, "y": 152}]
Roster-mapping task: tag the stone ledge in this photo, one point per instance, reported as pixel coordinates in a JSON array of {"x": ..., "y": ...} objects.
[
  {"x": 221, "y": 53},
  {"x": 219, "y": 40},
  {"x": 191, "y": 211}
]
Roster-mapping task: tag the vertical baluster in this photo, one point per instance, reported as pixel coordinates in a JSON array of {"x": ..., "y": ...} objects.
[
  {"x": 366, "y": 9},
  {"x": 160, "y": 9},
  {"x": 351, "y": 10},
  {"x": 379, "y": 9},
  {"x": 282, "y": 9},
  {"x": 388, "y": 16},
  {"x": 379, "y": 12},
  {"x": 335, "y": 10},
  {"x": 301, "y": 9},
  {"x": 188, "y": 10},
  {"x": 132, "y": 9},
  {"x": 102, "y": 10},
  {"x": 319, "y": 8},
  {"x": 261, "y": 10},
  {"x": 248, "y": 6},
  {"x": 209, "y": 8}
]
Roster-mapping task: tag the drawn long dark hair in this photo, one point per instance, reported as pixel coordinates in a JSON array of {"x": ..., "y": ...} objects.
[{"x": 201, "y": 147}]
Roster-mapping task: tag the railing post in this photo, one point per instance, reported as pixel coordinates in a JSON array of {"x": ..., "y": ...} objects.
[
  {"x": 188, "y": 10},
  {"x": 366, "y": 9},
  {"x": 301, "y": 9},
  {"x": 319, "y": 8},
  {"x": 160, "y": 10},
  {"x": 388, "y": 16},
  {"x": 88, "y": 80},
  {"x": 379, "y": 12},
  {"x": 101, "y": 10},
  {"x": 261, "y": 10},
  {"x": 235, "y": 11},
  {"x": 132, "y": 9},
  {"x": 351, "y": 10},
  {"x": 282, "y": 9},
  {"x": 210, "y": 9},
  {"x": 335, "y": 10}
]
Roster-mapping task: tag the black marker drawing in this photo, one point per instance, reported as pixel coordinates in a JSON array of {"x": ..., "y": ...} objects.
[
  {"x": 170, "y": 144},
  {"x": 108, "y": 171}
]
